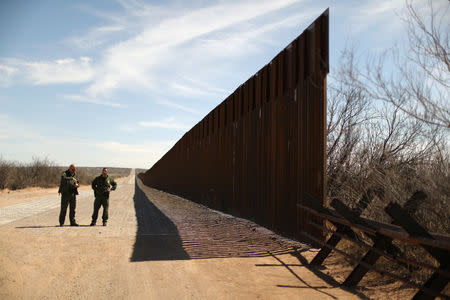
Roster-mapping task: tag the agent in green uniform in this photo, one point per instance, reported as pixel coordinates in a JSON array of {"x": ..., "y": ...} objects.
[
  {"x": 68, "y": 188},
  {"x": 102, "y": 186}
]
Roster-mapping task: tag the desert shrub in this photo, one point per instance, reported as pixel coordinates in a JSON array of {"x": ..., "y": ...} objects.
[
  {"x": 42, "y": 172},
  {"x": 388, "y": 134},
  {"x": 5, "y": 168},
  {"x": 388, "y": 128}
]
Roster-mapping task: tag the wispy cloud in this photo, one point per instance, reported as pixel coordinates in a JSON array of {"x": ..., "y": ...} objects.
[
  {"x": 6, "y": 75},
  {"x": 34, "y": 142},
  {"x": 168, "y": 123},
  {"x": 147, "y": 58},
  {"x": 132, "y": 155},
  {"x": 86, "y": 99},
  {"x": 146, "y": 45},
  {"x": 178, "y": 106},
  {"x": 369, "y": 13},
  {"x": 95, "y": 37},
  {"x": 66, "y": 70},
  {"x": 133, "y": 148},
  {"x": 190, "y": 90}
]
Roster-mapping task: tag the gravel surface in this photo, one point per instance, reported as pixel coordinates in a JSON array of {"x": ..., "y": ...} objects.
[{"x": 156, "y": 246}]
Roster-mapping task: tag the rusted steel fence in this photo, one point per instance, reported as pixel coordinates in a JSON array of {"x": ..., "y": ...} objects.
[{"x": 263, "y": 147}]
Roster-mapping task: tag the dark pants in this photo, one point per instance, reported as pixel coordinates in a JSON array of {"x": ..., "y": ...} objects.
[
  {"x": 100, "y": 202},
  {"x": 71, "y": 201}
]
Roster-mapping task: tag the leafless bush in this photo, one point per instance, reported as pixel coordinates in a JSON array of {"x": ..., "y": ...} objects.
[
  {"x": 85, "y": 176},
  {"x": 4, "y": 171},
  {"x": 41, "y": 172},
  {"x": 388, "y": 132}
]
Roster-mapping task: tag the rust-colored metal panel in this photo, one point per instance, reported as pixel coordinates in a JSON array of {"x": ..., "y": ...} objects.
[
  {"x": 259, "y": 150},
  {"x": 258, "y": 90}
]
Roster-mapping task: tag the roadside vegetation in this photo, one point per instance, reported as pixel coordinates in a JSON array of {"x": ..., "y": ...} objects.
[
  {"x": 388, "y": 131},
  {"x": 42, "y": 172},
  {"x": 389, "y": 128}
]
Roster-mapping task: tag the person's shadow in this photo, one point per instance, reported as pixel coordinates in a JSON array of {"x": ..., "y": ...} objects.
[
  {"x": 157, "y": 237},
  {"x": 48, "y": 226}
]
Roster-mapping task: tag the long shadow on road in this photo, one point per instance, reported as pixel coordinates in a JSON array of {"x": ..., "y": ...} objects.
[
  {"x": 157, "y": 236},
  {"x": 200, "y": 233},
  {"x": 197, "y": 233}
]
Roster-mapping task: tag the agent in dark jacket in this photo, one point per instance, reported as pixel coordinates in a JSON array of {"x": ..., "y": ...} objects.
[
  {"x": 102, "y": 186},
  {"x": 68, "y": 188}
]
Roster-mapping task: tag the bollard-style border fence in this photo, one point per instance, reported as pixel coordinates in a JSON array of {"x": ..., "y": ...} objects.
[{"x": 262, "y": 148}]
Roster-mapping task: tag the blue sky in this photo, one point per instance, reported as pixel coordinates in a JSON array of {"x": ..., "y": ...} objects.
[{"x": 117, "y": 83}]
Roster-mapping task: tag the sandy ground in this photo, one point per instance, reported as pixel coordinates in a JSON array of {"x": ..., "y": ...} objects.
[{"x": 156, "y": 246}]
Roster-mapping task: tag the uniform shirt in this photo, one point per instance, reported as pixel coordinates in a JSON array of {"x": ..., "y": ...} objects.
[
  {"x": 102, "y": 185},
  {"x": 66, "y": 185}
]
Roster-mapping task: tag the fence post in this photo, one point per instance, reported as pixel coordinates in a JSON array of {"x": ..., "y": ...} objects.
[
  {"x": 382, "y": 243},
  {"x": 437, "y": 281},
  {"x": 335, "y": 238}
]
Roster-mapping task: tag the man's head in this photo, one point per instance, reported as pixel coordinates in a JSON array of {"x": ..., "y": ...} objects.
[
  {"x": 72, "y": 168},
  {"x": 105, "y": 172}
]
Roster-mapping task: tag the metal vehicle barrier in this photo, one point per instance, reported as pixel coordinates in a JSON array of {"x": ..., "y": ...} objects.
[{"x": 404, "y": 228}]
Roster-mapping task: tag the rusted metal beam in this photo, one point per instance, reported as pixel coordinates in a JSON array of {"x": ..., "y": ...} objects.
[
  {"x": 437, "y": 281},
  {"x": 407, "y": 281}
]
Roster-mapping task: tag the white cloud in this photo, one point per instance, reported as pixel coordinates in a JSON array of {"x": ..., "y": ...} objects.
[
  {"x": 145, "y": 148},
  {"x": 7, "y": 70},
  {"x": 205, "y": 85},
  {"x": 168, "y": 123},
  {"x": 178, "y": 106},
  {"x": 84, "y": 152},
  {"x": 95, "y": 37},
  {"x": 189, "y": 90},
  {"x": 131, "y": 155},
  {"x": 65, "y": 70},
  {"x": 7, "y": 73},
  {"x": 86, "y": 99},
  {"x": 157, "y": 49},
  {"x": 367, "y": 14}
]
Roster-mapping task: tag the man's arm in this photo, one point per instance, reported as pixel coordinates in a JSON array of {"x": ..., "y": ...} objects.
[
  {"x": 61, "y": 182},
  {"x": 113, "y": 184},
  {"x": 71, "y": 180}
]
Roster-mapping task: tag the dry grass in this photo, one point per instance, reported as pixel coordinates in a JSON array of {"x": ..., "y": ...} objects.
[{"x": 43, "y": 173}]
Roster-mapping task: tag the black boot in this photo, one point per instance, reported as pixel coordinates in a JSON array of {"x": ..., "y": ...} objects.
[
  {"x": 74, "y": 223},
  {"x": 104, "y": 223},
  {"x": 92, "y": 223}
]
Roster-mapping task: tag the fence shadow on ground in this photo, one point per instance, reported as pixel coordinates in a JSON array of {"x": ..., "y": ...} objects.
[
  {"x": 200, "y": 233},
  {"x": 157, "y": 236},
  {"x": 203, "y": 234},
  {"x": 320, "y": 272}
]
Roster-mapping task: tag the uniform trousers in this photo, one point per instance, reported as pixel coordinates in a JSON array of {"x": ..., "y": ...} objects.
[
  {"x": 71, "y": 201},
  {"x": 100, "y": 201}
]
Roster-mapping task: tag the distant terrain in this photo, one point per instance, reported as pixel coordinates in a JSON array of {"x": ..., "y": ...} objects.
[{"x": 42, "y": 172}]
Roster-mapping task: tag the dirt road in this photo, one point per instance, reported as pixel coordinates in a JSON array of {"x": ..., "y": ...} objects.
[{"x": 156, "y": 246}]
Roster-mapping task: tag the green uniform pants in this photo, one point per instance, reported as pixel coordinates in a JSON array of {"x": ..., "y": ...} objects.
[
  {"x": 100, "y": 202},
  {"x": 71, "y": 201}
]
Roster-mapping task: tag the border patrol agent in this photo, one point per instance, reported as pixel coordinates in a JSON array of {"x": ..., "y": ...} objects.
[
  {"x": 102, "y": 186},
  {"x": 68, "y": 188}
]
